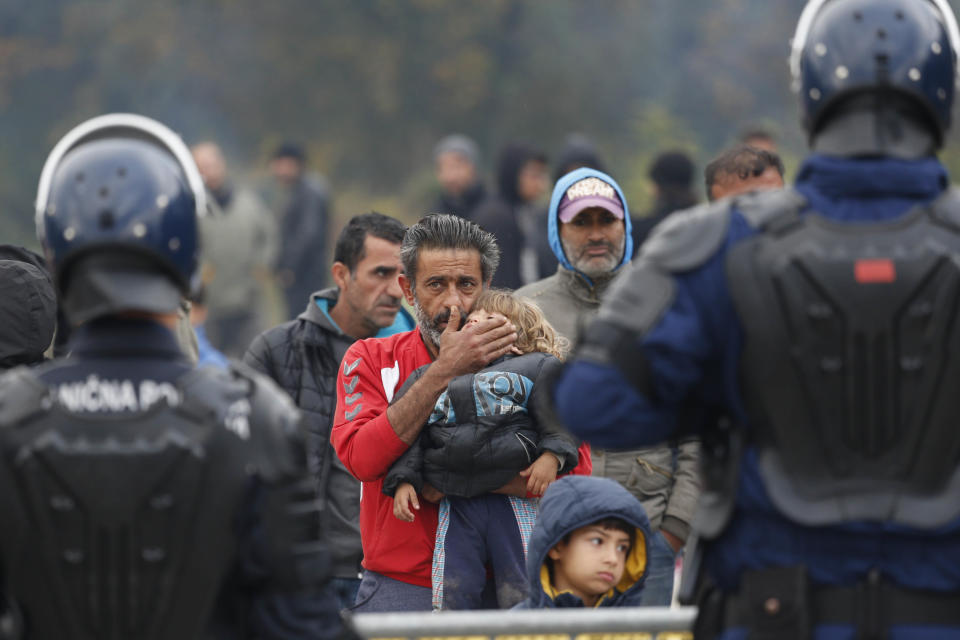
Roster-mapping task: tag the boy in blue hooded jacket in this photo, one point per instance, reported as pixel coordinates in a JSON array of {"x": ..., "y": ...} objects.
[{"x": 588, "y": 547}]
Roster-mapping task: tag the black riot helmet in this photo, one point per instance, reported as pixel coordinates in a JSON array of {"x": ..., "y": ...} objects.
[
  {"x": 893, "y": 48},
  {"x": 116, "y": 211}
]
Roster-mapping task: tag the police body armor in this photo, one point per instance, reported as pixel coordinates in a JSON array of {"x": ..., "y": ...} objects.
[
  {"x": 851, "y": 363},
  {"x": 125, "y": 525}
]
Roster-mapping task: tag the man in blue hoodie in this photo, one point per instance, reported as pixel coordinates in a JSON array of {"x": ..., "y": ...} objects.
[
  {"x": 512, "y": 216},
  {"x": 823, "y": 321},
  {"x": 588, "y": 547},
  {"x": 590, "y": 234},
  {"x": 589, "y": 231}
]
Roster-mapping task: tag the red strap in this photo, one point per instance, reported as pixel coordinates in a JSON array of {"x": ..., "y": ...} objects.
[{"x": 877, "y": 270}]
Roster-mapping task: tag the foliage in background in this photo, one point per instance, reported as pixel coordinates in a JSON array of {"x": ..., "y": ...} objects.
[{"x": 369, "y": 86}]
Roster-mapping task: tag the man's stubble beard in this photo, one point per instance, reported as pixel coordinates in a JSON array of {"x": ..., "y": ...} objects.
[
  {"x": 616, "y": 257},
  {"x": 429, "y": 327}
]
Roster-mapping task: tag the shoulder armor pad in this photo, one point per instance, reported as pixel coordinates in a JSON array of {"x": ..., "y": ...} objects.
[
  {"x": 761, "y": 208},
  {"x": 277, "y": 435},
  {"x": 946, "y": 208},
  {"x": 638, "y": 298},
  {"x": 686, "y": 239},
  {"x": 22, "y": 394},
  {"x": 207, "y": 391},
  {"x": 250, "y": 405}
]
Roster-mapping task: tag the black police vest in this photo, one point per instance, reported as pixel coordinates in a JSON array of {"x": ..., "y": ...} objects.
[
  {"x": 851, "y": 363},
  {"x": 123, "y": 525}
]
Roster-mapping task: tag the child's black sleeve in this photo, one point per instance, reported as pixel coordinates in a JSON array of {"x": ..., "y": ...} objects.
[
  {"x": 407, "y": 468},
  {"x": 553, "y": 436}
]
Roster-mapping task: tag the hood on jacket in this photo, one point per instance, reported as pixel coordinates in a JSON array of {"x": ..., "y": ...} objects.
[
  {"x": 512, "y": 159},
  {"x": 318, "y": 312},
  {"x": 573, "y": 502},
  {"x": 28, "y": 307},
  {"x": 553, "y": 223}
]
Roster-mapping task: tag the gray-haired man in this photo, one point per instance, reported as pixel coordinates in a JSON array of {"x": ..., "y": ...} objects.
[{"x": 447, "y": 263}]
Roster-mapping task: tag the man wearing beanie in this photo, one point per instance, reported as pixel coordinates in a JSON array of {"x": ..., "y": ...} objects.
[
  {"x": 456, "y": 160},
  {"x": 672, "y": 174}
]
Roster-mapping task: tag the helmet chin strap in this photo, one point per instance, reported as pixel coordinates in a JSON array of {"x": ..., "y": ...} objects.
[{"x": 875, "y": 125}]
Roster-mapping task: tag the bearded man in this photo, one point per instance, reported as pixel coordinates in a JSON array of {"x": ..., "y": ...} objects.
[{"x": 447, "y": 262}]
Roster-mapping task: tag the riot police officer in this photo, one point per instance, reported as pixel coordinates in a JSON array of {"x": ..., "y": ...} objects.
[
  {"x": 823, "y": 321},
  {"x": 143, "y": 498}
]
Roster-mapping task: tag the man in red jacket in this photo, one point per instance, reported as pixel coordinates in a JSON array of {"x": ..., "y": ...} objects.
[{"x": 448, "y": 262}]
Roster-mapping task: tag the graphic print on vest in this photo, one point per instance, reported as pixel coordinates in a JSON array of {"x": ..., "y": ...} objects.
[
  {"x": 495, "y": 393},
  {"x": 498, "y": 393}
]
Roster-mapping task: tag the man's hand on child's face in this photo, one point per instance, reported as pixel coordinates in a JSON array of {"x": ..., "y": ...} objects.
[
  {"x": 403, "y": 499},
  {"x": 481, "y": 314},
  {"x": 477, "y": 315},
  {"x": 475, "y": 346},
  {"x": 541, "y": 473}
]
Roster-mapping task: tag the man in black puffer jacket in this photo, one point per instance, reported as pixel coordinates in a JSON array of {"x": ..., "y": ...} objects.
[{"x": 303, "y": 356}]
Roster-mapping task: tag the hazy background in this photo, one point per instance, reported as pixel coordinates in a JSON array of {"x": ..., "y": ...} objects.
[{"x": 368, "y": 86}]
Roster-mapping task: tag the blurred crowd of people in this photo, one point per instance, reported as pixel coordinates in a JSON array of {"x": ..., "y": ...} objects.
[
  {"x": 559, "y": 253},
  {"x": 262, "y": 263}
]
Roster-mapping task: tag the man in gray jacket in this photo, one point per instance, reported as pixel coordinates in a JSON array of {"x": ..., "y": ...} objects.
[
  {"x": 240, "y": 241},
  {"x": 303, "y": 356},
  {"x": 589, "y": 231}
]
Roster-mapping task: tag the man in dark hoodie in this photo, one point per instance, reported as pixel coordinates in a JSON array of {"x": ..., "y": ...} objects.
[
  {"x": 588, "y": 547},
  {"x": 304, "y": 225},
  {"x": 303, "y": 355},
  {"x": 512, "y": 215},
  {"x": 578, "y": 151},
  {"x": 457, "y": 163}
]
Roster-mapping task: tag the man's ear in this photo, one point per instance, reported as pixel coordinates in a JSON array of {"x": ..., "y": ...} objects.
[
  {"x": 556, "y": 552},
  {"x": 340, "y": 273},
  {"x": 406, "y": 284}
]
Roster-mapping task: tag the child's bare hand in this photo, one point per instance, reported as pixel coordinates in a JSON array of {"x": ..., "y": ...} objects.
[
  {"x": 403, "y": 499},
  {"x": 541, "y": 473}
]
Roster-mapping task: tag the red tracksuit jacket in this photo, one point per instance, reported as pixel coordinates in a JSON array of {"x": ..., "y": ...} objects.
[{"x": 371, "y": 372}]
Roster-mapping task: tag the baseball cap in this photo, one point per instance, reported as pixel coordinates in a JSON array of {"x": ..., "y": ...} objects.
[{"x": 586, "y": 193}]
